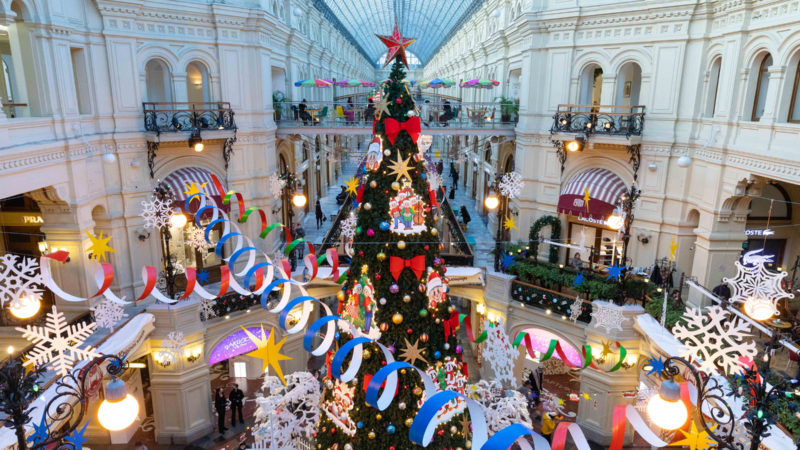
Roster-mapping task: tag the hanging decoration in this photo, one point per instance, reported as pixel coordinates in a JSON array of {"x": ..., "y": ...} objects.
[
  {"x": 412, "y": 353},
  {"x": 207, "y": 309},
  {"x": 509, "y": 223},
  {"x": 156, "y": 213},
  {"x": 407, "y": 211},
  {"x": 396, "y": 45},
  {"x": 399, "y": 167},
  {"x": 715, "y": 339},
  {"x": 695, "y": 439},
  {"x": 499, "y": 354},
  {"x": 424, "y": 142},
  {"x": 349, "y": 227},
  {"x": 97, "y": 251},
  {"x": 607, "y": 316},
  {"x": 108, "y": 313},
  {"x": 196, "y": 239},
  {"x": 436, "y": 289},
  {"x": 374, "y": 154},
  {"x": 755, "y": 283},
  {"x": 338, "y": 409},
  {"x": 614, "y": 271},
  {"x": 576, "y": 309},
  {"x": 511, "y": 185},
  {"x": 19, "y": 278},
  {"x": 352, "y": 185},
  {"x": 287, "y": 413},
  {"x": 173, "y": 348},
  {"x": 192, "y": 188},
  {"x": 361, "y": 307},
  {"x": 276, "y": 185},
  {"x": 502, "y": 407},
  {"x": 268, "y": 351},
  {"x": 58, "y": 342}
]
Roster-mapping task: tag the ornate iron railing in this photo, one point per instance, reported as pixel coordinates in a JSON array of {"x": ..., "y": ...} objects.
[
  {"x": 610, "y": 120},
  {"x": 457, "y": 252},
  {"x": 186, "y": 116},
  {"x": 545, "y": 299}
]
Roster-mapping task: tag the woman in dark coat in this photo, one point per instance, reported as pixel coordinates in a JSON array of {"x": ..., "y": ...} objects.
[
  {"x": 219, "y": 405},
  {"x": 465, "y": 218}
]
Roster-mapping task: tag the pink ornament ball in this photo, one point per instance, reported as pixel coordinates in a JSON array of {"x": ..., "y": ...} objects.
[
  {"x": 370, "y": 232},
  {"x": 459, "y": 349},
  {"x": 394, "y": 288}
]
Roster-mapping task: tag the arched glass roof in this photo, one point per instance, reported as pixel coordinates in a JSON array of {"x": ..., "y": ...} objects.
[{"x": 431, "y": 22}]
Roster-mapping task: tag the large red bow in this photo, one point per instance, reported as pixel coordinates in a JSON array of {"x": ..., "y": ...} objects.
[
  {"x": 416, "y": 264},
  {"x": 411, "y": 126}
]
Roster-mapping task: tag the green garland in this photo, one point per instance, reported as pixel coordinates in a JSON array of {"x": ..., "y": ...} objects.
[{"x": 555, "y": 235}]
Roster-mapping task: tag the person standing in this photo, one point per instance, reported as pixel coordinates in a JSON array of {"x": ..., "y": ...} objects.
[
  {"x": 237, "y": 404},
  {"x": 219, "y": 405},
  {"x": 440, "y": 166},
  {"x": 722, "y": 291},
  {"x": 465, "y": 218},
  {"x": 454, "y": 174},
  {"x": 319, "y": 213}
]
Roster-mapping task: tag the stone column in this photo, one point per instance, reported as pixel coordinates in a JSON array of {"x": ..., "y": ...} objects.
[
  {"x": 181, "y": 391},
  {"x": 605, "y": 389}
]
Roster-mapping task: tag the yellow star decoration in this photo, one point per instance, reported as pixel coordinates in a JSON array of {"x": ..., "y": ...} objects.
[
  {"x": 606, "y": 349},
  {"x": 510, "y": 223},
  {"x": 352, "y": 185},
  {"x": 99, "y": 247},
  {"x": 412, "y": 353},
  {"x": 673, "y": 247},
  {"x": 383, "y": 106},
  {"x": 586, "y": 198},
  {"x": 28, "y": 367},
  {"x": 400, "y": 168},
  {"x": 695, "y": 440},
  {"x": 436, "y": 153},
  {"x": 268, "y": 351},
  {"x": 192, "y": 188}
]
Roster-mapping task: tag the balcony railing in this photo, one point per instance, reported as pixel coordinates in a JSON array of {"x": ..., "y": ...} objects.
[
  {"x": 486, "y": 115},
  {"x": 609, "y": 120},
  {"x": 555, "y": 302},
  {"x": 186, "y": 116}
]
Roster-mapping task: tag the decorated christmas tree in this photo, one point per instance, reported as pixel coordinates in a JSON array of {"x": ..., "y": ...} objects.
[{"x": 396, "y": 287}]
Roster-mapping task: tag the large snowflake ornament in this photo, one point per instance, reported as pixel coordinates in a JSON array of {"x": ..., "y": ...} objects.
[
  {"x": 511, "y": 185},
  {"x": 173, "y": 347},
  {"x": 753, "y": 280},
  {"x": 290, "y": 412},
  {"x": 19, "y": 278},
  {"x": 434, "y": 180},
  {"x": 196, "y": 238},
  {"x": 608, "y": 316},
  {"x": 575, "y": 310},
  {"x": 207, "y": 309},
  {"x": 276, "y": 185},
  {"x": 58, "y": 342},
  {"x": 108, "y": 313},
  {"x": 156, "y": 213},
  {"x": 499, "y": 354},
  {"x": 349, "y": 227},
  {"x": 501, "y": 407},
  {"x": 715, "y": 339}
]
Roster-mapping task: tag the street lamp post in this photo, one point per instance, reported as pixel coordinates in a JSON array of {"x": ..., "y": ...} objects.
[
  {"x": 622, "y": 218},
  {"x": 164, "y": 193},
  {"x": 293, "y": 198},
  {"x": 491, "y": 202}
]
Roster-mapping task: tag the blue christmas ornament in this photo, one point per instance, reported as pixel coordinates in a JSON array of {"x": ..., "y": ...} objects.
[
  {"x": 360, "y": 424},
  {"x": 384, "y": 226},
  {"x": 437, "y": 354},
  {"x": 423, "y": 175},
  {"x": 336, "y": 335},
  {"x": 390, "y": 429}
]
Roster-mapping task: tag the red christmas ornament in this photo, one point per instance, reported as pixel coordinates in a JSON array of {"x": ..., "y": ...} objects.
[
  {"x": 410, "y": 331},
  {"x": 377, "y": 276},
  {"x": 361, "y": 253},
  {"x": 426, "y": 247},
  {"x": 440, "y": 432},
  {"x": 398, "y": 100}
]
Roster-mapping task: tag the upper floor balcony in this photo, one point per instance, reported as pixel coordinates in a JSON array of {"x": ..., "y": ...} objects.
[
  {"x": 166, "y": 117},
  {"x": 614, "y": 121},
  {"x": 457, "y": 118}
]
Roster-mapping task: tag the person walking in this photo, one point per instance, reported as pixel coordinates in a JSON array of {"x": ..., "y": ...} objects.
[
  {"x": 465, "y": 218},
  {"x": 440, "y": 166},
  {"x": 219, "y": 405},
  {"x": 320, "y": 214},
  {"x": 454, "y": 174},
  {"x": 237, "y": 404}
]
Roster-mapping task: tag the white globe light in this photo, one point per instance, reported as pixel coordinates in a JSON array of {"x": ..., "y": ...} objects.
[
  {"x": 668, "y": 413},
  {"x": 491, "y": 201},
  {"x": 759, "y": 308},
  {"x": 496, "y": 13},
  {"x": 178, "y": 220},
  {"x": 119, "y": 410},
  {"x": 684, "y": 161},
  {"x": 299, "y": 200},
  {"x": 614, "y": 222},
  {"x": 109, "y": 158},
  {"x": 26, "y": 307}
]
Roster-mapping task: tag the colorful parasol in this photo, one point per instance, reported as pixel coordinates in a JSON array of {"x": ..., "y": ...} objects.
[
  {"x": 315, "y": 82},
  {"x": 436, "y": 83},
  {"x": 355, "y": 83},
  {"x": 480, "y": 83}
]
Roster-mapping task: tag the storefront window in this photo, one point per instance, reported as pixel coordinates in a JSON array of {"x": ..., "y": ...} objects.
[{"x": 185, "y": 255}]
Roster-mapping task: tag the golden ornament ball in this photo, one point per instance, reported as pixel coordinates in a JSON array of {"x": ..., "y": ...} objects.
[
  {"x": 406, "y": 298},
  {"x": 340, "y": 295},
  {"x": 381, "y": 256},
  {"x": 378, "y": 417},
  {"x": 397, "y": 318},
  {"x": 409, "y": 421},
  {"x": 366, "y": 353},
  {"x": 368, "y": 206},
  {"x": 373, "y": 184},
  {"x": 401, "y": 244},
  {"x": 417, "y": 391},
  {"x": 371, "y": 435},
  {"x": 434, "y": 231},
  {"x": 396, "y": 186}
]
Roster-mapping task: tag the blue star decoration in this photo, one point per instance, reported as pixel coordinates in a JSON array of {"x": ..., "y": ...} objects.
[
  {"x": 578, "y": 279},
  {"x": 656, "y": 365},
  {"x": 614, "y": 271},
  {"x": 40, "y": 431},
  {"x": 76, "y": 438},
  {"x": 507, "y": 262},
  {"x": 202, "y": 277}
]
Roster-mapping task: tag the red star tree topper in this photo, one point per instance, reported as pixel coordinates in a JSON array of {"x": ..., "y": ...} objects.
[{"x": 397, "y": 45}]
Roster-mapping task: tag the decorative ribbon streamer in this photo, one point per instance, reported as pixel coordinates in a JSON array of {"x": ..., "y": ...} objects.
[
  {"x": 412, "y": 126},
  {"x": 416, "y": 264},
  {"x": 457, "y": 319}
]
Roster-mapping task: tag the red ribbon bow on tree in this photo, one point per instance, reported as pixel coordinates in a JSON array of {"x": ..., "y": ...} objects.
[
  {"x": 397, "y": 264},
  {"x": 411, "y": 126}
]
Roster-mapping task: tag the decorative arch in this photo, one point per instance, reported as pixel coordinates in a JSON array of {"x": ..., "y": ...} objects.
[
  {"x": 568, "y": 344},
  {"x": 24, "y": 9},
  {"x": 620, "y": 168},
  {"x": 555, "y": 234},
  {"x": 639, "y": 57},
  {"x": 595, "y": 57},
  {"x": 232, "y": 328},
  {"x": 171, "y": 164}
]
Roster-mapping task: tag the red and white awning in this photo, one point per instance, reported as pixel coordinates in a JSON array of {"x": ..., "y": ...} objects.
[
  {"x": 591, "y": 195},
  {"x": 180, "y": 180}
]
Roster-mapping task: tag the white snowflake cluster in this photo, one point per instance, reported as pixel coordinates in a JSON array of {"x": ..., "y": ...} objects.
[
  {"x": 207, "y": 309},
  {"x": 19, "y": 277},
  {"x": 173, "y": 347},
  {"x": 608, "y": 316},
  {"x": 511, "y": 185},
  {"x": 156, "y": 213},
  {"x": 196, "y": 238},
  {"x": 575, "y": 310},
  {"x": 434, "y": 180},
  {"x": 108, "y": 313},
  {"x": 715, "y": 339},
  {"x": 499, "y": 354},
  {"x": 349, "y": 227},
  {"x": 275, "y": 185},
  {"x": 501, "y": 407},
  {"x": 58, "y": 342},
  {"x": 754, "y": 280},
  {"x": 289, "y": 413}
]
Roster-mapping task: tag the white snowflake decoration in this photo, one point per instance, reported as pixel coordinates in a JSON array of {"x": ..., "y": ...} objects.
[
  {"x": 575, "y": 310},
  {"x": 108, "y": 313},
  {"x": 156, "y": 213},
  {"x": 289, "y": 413},
  {"x": 499, "y": 354},
  {"x": 58, "y": 342},
  {"x": 608, "y": 316},
  {"x": 715, "y": 339},
  {"x": 511, "y": 185},
  {"x": 434, "y": 180},
  {"x": 207, "y": 309},
  {"x": 349, "y": 227},
  {"x": 754, "y": 280},
  {"x": 554, "y": 404},
  {"x": 501, "y": 407},
  {"x": 196, "y": 238},
  {"x": 173, "y": 347},
  {"x": 276, "y": 185},
  {"x": 19, "y": 277}
]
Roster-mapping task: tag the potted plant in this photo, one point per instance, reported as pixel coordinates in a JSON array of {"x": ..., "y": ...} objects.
[
  {"x": 278, "y": 99},
  {"x": 508, "y": 107}
]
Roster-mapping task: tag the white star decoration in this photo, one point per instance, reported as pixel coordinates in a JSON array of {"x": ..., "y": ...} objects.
[
  {"x": 58, "y": 342},
  {"x": 608, "y": 316}
]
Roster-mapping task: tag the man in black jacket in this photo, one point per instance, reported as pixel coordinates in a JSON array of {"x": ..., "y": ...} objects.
[{"x": 236, "y": 398}]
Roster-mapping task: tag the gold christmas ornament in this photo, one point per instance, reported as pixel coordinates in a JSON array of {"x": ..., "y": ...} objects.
[
  {"x": 395, "y": 185},
  {"x": 434, "y": 231},
  {"x": 366, "y": 353},
  {"x": 371, "y": 435},
  {"x": 409, "y": 421},
  {"x": 340, "y": 295},
  {"x": 417, "y": 391},
  {"x": 406, "y": 298},
  {"x": 378, "y": 417},
  {"x": 368, "y": 206},
  {"x": 397, "y": 318},
  {"x": 364, "y": 268},
  {"x": 401, "y": 245},
  {"x": 373, "y": 184},
  {"x": 381, "y": 256}
]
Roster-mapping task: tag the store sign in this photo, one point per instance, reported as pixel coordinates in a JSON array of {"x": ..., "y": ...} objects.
[
  {"x": 32, "y": 220},
  {"x": 236, "y": 344},
  {"x": 592, "y": 220},
  {"x": 757, "y": 232},
  {"x": 21, "y": 219}
]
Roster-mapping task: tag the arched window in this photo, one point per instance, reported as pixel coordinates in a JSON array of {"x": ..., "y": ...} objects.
[
  {"x": 629, "y": 82},
  {"x": 197, "y": 88},
  {"x": 591, "y": 85},
  {"x": 762, "y": 85},
  {"x": 794, "y": 105},
  {"x": 713, "y": 87},
  {"x": 158, "y": 80}
]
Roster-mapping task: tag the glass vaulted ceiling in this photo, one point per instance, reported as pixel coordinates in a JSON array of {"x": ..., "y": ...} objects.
[{"x": 431, "y": 22}]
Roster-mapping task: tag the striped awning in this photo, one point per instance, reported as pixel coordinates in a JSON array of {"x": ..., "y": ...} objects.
[
  {"x": 181, "y": 180},
  {"x": 591, "y": 195}
]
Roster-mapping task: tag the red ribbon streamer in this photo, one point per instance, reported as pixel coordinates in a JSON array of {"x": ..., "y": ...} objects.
[
  {"x": 412, "y": 126},
  {"x": 416, "y": 264}
]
